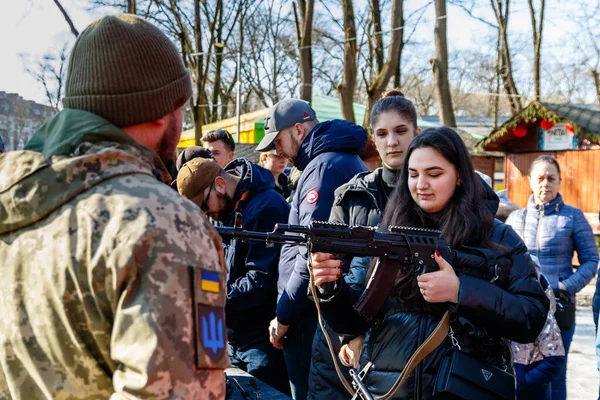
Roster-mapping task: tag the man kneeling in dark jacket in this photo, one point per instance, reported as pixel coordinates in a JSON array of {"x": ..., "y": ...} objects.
[{"x": 244, "y": 187}]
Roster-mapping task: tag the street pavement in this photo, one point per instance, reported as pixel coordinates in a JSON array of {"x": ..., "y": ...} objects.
[{"x": 582, "y": 373}]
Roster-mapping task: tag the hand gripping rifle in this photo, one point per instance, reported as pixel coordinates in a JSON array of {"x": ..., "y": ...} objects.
[{"x": 401, "y": 247}]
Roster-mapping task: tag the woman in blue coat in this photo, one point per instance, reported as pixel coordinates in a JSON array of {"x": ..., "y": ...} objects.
[
  {"x": 553, "y": 231},
  {"x": 438, "y": 189}
]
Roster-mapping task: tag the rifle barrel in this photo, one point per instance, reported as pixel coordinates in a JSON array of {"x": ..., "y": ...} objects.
[{"x": 269, "y": 237}]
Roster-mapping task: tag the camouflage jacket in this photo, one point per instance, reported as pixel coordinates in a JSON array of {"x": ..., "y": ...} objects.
[{"x": 113, "y": 285}]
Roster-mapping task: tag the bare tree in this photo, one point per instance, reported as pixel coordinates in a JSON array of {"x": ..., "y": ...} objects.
[
  {"x": 398, "y": 74},
  {"x": 126, "y": 6},
  {"x": 67, "y": 18},
  {"x": 346, "y": 87},
  {"x": 196, "y": 36},
  {"x": 304, "y": 37},
  {"x": 132, "y": 6},
  {"x": 224, "y": 30},
  {"x": 200, "y": 110},
  {"x": 384, "y": 75},
  {"x": 439, "y": 66},
  {"x": 501, "y": 11},
  {"x": 588, "y": 44},
  {"x": 50, "y": 71},
  {"x": 271, "y": 67},
  {"x": 537, "y": 25},
  {"x": 377, "y": 36}
]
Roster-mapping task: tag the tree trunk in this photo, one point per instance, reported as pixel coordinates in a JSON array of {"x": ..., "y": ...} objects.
[
  {"x": 375, "y": 89},
  {"x": 510, "y": 87},
  {"x": 398, "y": 76},
  {"x": 200, "y": 95},
  {"x": 377, "y": 33},
  {"x": 74, "y": 31},
  {"x": 346, "y": 88},
  {"x": 132, "y": 6},
  {"x": 596, "y": 77},
  {"x": 497, "y": 88},
  {"x": 439, "y": 66},
  {"x": 216, "y": 94},
  {"x": 537, "y": 45},
  {"x": 304, "y": 35}
]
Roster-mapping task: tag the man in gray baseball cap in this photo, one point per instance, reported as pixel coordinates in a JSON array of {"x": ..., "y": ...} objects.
[
  {"x": 287, "y": 114},
  {"x": 328, "y": 154}
]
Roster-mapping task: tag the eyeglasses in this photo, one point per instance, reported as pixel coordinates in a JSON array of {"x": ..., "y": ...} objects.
[{"x": 203, "y": 206}]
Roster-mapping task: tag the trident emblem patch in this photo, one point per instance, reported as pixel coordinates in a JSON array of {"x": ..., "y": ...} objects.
[
  {"x": 487, "y": 375},
  {"x": 212, "y": 333}
]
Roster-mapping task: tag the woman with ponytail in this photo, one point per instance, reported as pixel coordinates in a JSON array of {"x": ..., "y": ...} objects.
[{"x": 361, "y": 201}]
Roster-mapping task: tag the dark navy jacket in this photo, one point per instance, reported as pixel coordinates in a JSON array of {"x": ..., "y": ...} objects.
[
  {"x": 252, "y": 281},
  {"x": 328, "y": 157}
]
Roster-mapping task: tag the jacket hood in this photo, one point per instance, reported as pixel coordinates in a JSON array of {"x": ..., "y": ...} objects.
[
  {"x": 331, "y": 136},
  {"x": 490, "y": 198},
  {"x": 66, "y": 157},
  {"x": 253, "y": 179},
  {"x": 67, "y": 129}
]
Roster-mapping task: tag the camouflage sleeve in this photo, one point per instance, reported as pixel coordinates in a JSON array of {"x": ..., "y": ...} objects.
[{"x": 169, "y": 335}]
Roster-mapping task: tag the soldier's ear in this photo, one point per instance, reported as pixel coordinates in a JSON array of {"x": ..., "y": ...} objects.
[{"x": 220, "y": 185}]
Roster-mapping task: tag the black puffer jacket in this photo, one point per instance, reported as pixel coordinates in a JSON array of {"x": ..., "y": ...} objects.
[
  {"x": 513, "y": 308},
  {"x": 359, "y": 202}
]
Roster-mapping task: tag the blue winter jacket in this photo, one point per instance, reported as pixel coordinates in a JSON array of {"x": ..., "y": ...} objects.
[
  {"x": 553, "y": 232},
  {"x": 328, "y": 157},
  {"x": 253, "y": 266}
]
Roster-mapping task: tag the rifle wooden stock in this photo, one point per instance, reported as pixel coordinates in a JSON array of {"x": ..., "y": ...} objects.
[{"x": 378, "y": 288}]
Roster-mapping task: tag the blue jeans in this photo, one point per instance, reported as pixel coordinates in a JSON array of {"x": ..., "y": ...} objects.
[
  {"x": 260, "y": 359},
  {"x": 559, "y": 383},
  {"x": 297, "y": 347}
]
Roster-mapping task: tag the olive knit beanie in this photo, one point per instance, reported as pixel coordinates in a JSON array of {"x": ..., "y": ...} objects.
[{"x": 127, "y": 71}]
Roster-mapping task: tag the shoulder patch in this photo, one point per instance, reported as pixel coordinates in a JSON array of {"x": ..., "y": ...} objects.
[
  {"x": 213, "y": 337},
  {"x": 209, "y": 281},
  {"x": 312, "y": 196}
]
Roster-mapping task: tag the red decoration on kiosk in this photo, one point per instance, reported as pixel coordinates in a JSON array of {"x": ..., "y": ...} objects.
[
  {"x": 546, "y": 125},
  {"x": 569, "y": 128},
  {"x": 520, "y": 131}
]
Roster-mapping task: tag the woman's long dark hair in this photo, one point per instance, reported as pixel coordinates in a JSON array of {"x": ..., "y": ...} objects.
[{"x": 465, "y": 220}]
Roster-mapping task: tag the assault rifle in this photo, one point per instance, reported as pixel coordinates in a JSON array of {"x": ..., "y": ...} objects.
[{"x": 401, "y": 247}]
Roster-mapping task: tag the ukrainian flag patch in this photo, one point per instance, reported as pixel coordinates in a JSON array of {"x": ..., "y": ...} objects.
[{"x": 209, "y": 281}]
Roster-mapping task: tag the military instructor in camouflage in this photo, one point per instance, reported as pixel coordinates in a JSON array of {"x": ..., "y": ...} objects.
[{"x": 112, "y": 284}]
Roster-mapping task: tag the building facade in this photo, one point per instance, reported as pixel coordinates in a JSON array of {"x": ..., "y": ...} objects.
[{"x": 19, "y": 119}]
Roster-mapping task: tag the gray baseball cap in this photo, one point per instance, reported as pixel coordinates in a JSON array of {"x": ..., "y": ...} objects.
[{"x": 282, "y": 115}]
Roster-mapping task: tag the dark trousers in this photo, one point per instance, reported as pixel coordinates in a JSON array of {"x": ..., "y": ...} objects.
[
  {"x": 260, "y": 359},
  {"x": 297, "y": 351},
  {"x": 559, "y": 383},
  {"x": 541, "y": 391}
]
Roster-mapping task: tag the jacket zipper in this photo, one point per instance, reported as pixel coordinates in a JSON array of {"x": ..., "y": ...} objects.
[{"x": 537, "y": 234}]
